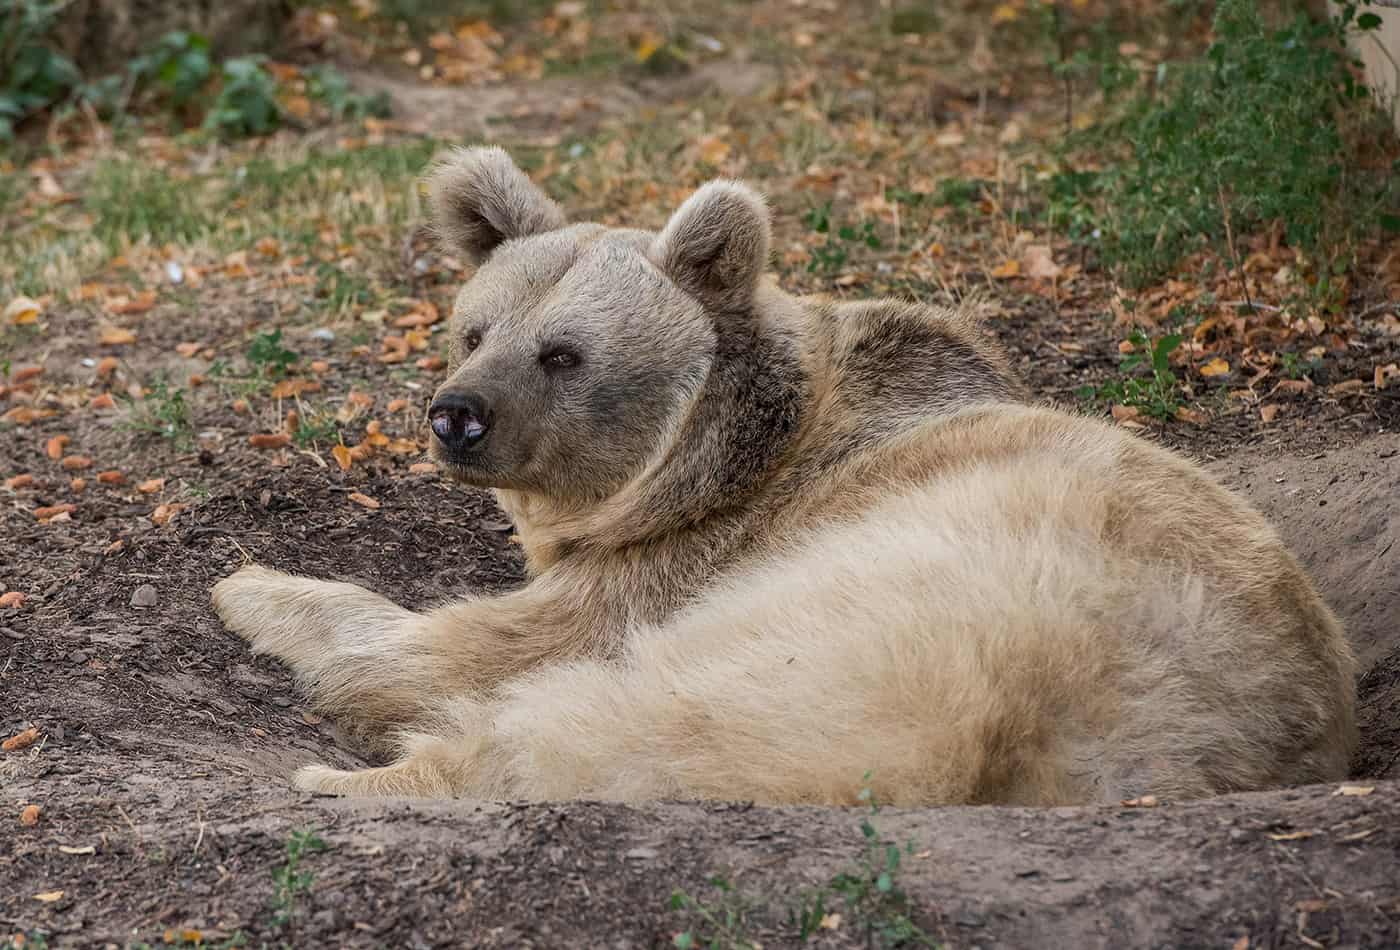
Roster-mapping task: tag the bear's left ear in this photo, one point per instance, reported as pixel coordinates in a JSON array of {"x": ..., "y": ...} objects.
[
  {"x": 478, "y": 199},
  {"x": 716, "y": 244}
]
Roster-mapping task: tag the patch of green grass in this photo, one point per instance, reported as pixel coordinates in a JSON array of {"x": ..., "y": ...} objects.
[
  {"x": 1147, "y": 382},
  {"x": 164, "y": 412},
  {"x": 134, "y": 200},
  {"x": 291, "y": 882}
]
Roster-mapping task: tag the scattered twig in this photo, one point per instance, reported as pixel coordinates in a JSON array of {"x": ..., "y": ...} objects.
[
  {"x": 1230, "y": 243},
  {"x": 1382, "y": 307},
  {"x": 1252, "y": 305}
]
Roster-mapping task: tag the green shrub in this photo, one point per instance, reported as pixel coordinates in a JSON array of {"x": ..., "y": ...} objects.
[
  {"x": 1265, "y": 127},
  {"x": 32, "y": 75},
  {"x": 247, "y": 100}
]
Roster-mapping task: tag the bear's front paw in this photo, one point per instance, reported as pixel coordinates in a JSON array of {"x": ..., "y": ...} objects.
[{"x": 242, "y": 600}]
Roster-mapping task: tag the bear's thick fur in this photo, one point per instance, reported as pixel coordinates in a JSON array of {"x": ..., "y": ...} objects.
[{"x": 778, "y": 544}]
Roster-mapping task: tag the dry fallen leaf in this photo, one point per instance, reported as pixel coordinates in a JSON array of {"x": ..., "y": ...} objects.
[
  {"x": 48, "y": 897},
  {"x": 106, "y": 366},
  {"x": 70, "y": 849},
  {"x": 1037, "y": 261},
  {"x": 341, "y": 454},
  {"x": 423, "y": 468},
  {"x": 164, "y": 513},
  {"x": 431, "y": 363},
  {"x": 1146, "y": 801},
  {"x": 1193, "y": 416},
  {"x": 19, "y": 481},
  {"x": 1011, "y": 268},
  {"x": 22, "y": 310},
  {"x": 1347, "y": 386},
  {"x": 74, "y": 463},
  {"x": 1216, "y": 367},
  {"x": 49, "y": 512},
  {"x": 361, "y": 499},
  {"x": 1241, "y": 944},
  {"x": 1384, "y": 374},
  {"x": 104, "y": 401},
  {"x": 1293, "y": 836},
  {"x": 12, "y": 598},
  {"x": 29, "y": 815},
  {"x": 25, "y": 373},
  {"x": 398, "y": 405},
  {"x": 116, "y": 336},
  {"x": 288, "y": 388},
  {"x": 111, "y": 477},
  {"x": 142, "y": 302},
  {"x": 830, "y": 921},
  {"x": 77, "y": 485},
  {"x": 269, "y": 440},
  {"x": 20, "y": 740},
  {"x": 1268, "y": 412},
  {"x": 1354, "y": 790},
  {"x": 151, "y": 485},
  {"x": 54, "y": 447}
]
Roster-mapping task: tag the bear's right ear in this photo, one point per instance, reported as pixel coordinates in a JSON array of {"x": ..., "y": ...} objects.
[
  {"x": 716, "y": 244},
  {"x": 478, "y": 199}
]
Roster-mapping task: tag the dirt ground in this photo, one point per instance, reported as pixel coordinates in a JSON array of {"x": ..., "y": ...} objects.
[{"x": 153, "y": 805}]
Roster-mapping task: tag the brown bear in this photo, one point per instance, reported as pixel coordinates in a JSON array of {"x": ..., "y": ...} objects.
[{"x": 778, "y": 545}]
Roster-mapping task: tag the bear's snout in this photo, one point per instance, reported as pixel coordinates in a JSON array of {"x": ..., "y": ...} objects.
[{"x": 459, "y": 419}]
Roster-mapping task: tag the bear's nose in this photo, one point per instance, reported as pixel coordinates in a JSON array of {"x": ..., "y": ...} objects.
[{"x": 459, "y": 419}]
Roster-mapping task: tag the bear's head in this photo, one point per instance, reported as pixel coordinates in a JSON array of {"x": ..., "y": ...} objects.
[{"x": 577, "y": 351}]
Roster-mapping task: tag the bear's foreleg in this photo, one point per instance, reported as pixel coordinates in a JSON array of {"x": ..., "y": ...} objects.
[{"x": 380, "y": 666}]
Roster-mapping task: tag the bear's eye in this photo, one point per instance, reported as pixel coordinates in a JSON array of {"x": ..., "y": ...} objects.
[
  {"x": 472, "y": 340},
  {"x": 558, "y": 359}
]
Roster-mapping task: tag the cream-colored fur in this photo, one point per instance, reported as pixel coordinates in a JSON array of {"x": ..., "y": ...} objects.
[{"x": 904, "y": 571}]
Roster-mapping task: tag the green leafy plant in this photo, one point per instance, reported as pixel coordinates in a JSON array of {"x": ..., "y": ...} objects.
[
  {"x": 268, "y": 356},
  {"x": 247, "y": 100},
  {"x": 33, "y": 75},
  {"x": 870, "y": 891},
  {"x": 869, "y": 894},
  {"x": 718, "y": 925},
  {"x": 163, "y": 412},
  {"x": 179, "y": 65},
  {"x": 291, "y": 882},
  {"x": 1148, "y": 383},
  {"x": 318, "y": 428},
  {"x": 1296, "y": 367},
  {"x": 329, "y": 86},
  {"x": 832, "y": 256}
]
